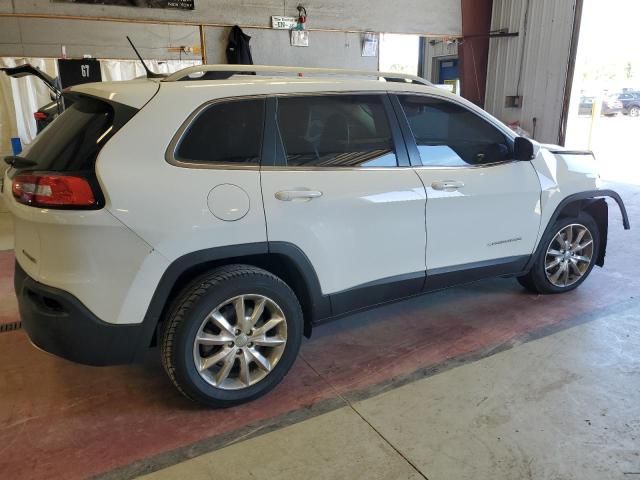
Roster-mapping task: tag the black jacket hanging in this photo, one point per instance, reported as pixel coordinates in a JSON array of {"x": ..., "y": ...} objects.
[{"x": 238, "y": 50}]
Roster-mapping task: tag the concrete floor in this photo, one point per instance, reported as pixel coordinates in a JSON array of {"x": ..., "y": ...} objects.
[
  {"x": 566, "y": 406},
  {"x": 482, "y": 381}
]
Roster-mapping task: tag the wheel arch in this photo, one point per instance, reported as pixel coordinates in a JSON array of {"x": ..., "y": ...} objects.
[
  {"x": 282, "y": 259},
  {"x": 586, "y": 198},
  {"x": 594, "y": 203},
  {"x": 598, "y": 209}
]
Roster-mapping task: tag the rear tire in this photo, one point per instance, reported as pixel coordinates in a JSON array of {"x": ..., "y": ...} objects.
[
  {"x": 569, "y": 249},
  {"x": 231, "y": 335}
]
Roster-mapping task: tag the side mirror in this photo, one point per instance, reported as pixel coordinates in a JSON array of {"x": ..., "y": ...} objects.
[{"x": 522, "y": 149}]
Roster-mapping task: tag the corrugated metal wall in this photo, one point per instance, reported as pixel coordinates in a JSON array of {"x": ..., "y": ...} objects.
[{"x": 532, "y": 65}]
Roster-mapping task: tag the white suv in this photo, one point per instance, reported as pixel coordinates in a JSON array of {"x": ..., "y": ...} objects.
[{"x": 221, "y": 217}]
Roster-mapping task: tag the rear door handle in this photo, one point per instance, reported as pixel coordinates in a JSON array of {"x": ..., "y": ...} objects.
[
  {"x": 447, "y": 185},
  {"x": 292, "y": 195}
]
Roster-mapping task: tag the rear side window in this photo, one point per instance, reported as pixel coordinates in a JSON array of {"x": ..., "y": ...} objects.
[
  {"x": 72, "y": 141},
  {"x": 336, "y": 131},
  {"x": 448, "y": 134},
  {"x": 229, "y": 132}
]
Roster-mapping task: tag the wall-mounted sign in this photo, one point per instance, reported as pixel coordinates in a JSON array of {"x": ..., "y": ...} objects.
[
  {"x": 283, "y": 23},
  {"x": 369, "y": 44},
  {"x": 299, "y": 38},
  {"x": 175, "y": 4},
  {"x": 76, "y": 72}
]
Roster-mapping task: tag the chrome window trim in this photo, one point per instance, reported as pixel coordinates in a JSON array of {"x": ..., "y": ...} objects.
[
  {"x": 459, "y": 167},
  {"x": 177, "y": 137},
  {"x": 173, "y": 145},
  {"x": 331, "y": 92},
  {"x": 284, "y": 168}
]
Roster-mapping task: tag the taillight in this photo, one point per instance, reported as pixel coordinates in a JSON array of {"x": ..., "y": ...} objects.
[
  {"x": 40, "y": 116},
  {"x": 45, "y": 190}
]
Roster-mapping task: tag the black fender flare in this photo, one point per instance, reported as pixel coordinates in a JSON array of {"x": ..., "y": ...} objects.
[
  {"x": 586, "y": 195},
  {"x": 593, "y": 194},
  {"x": 319, "y": 305}
]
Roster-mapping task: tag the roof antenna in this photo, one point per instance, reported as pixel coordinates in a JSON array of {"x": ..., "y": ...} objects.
[{"x": 150, "y": 74}]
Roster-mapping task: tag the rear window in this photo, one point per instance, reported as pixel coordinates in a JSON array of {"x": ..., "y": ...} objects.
[{"x": 74, "y": 139}]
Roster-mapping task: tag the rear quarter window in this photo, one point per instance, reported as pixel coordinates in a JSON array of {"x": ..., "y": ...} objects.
[{"x": 228, "y": 132}]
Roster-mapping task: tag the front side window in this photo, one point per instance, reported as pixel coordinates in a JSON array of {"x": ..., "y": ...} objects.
[
  {"x": 229, "y": 132},
  {"x": 449, "y": 135},
  {"x": 335, "y": 131}
]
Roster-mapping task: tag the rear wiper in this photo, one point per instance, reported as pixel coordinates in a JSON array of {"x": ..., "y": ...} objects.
[{"x": 16, "y": 161}]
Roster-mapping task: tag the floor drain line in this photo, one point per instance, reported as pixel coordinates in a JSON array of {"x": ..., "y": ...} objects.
[{"x": 10, "y": 327}]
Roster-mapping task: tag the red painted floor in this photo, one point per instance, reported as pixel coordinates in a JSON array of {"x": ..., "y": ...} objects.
[{"x": 60, "y": 420}]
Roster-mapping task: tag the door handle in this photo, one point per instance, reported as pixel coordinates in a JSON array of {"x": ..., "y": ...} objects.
[
  {"x": 447, "y": 185},
  {"x": 292, "y": 195}
]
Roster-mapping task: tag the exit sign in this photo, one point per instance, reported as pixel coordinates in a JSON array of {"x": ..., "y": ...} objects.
[{"x": 283, "y": 23}]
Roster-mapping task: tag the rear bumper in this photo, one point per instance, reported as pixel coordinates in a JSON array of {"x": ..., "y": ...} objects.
[{"x": 60, "y": 324}]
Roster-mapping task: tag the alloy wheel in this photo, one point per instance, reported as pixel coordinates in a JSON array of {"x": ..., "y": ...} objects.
[
  {"x": 569, "y": 255},
  {"x": 240, "y": 342}
]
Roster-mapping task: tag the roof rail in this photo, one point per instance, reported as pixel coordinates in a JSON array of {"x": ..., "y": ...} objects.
[{"x": 222, "y": 72}]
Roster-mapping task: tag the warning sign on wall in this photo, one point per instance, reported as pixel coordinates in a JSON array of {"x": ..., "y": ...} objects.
[{"x": 175, "y": 4}]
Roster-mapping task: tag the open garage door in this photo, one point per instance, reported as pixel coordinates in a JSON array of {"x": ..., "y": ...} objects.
[{"x": 604, "y": 108}]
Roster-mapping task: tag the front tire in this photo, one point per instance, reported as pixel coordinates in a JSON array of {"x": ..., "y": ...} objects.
[
  {"x": 231, "y": 336},
  {"x": 634, "y": 111},
  {"x": 568, "y": 254}
]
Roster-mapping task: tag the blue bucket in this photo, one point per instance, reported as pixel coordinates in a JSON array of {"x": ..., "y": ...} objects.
[{"x": 16, "y": 145}]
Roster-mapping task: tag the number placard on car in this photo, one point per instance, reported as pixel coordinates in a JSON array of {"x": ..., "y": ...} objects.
[{"x": 78, "y": 71}]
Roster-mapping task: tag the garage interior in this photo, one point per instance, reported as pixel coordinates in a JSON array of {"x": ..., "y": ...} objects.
[{"x": 481, "y": 381}]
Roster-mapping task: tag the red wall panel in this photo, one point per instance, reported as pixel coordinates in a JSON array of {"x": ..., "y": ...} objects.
[{"x": 474, "y": 49}]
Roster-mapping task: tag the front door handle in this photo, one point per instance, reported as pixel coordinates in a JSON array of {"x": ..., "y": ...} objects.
[
  {"x": 447, "y": 185},
  {"x": 292, "y": 195}
]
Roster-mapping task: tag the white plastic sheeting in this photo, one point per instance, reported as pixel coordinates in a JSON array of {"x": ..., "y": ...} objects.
[
  {"x": 28, "y": 94},
  {"x": 532, "y": 65}
]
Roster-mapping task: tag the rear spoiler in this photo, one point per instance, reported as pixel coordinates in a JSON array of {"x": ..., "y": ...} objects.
[{"x": 28, "y": 69}]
